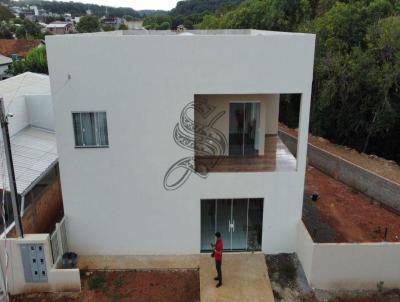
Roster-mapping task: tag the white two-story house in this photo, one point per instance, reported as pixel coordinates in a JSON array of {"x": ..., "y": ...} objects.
[{"x": 164, "y": 138}]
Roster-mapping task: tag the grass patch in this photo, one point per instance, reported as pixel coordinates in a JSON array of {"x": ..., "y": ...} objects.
[{"x": 97, "y": 281}]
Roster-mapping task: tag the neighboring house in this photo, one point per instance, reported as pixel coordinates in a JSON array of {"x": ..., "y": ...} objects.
[
  {"x": 112, "y": 21},
  {"x": 33, "y": 144},
  {"x": 181, "y": 141},
  {"x": 60, "y": 28},
  {"x": 4, "y": 63},
  {"x": 19, "y": 48}
]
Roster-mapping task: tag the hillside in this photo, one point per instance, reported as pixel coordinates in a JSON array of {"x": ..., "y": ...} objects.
[
  {"x": 198, "y": 7},
  {"x": 79, "y": 9},
  {"x": 189, "y": 13}
]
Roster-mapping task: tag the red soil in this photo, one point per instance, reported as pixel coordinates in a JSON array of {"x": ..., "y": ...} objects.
[
  {"x": 124, "y": 286},
  {"x": 353, "y": 215}
]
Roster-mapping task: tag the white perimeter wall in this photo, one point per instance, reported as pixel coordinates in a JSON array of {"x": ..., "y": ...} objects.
[
  {"x": 348, "y": 266},
  {"x": 40, "y": 111},
  {"x": 114, "y": 198},
  {"x": 59, "y": 280},
  {"x": 34, "y": 110}
]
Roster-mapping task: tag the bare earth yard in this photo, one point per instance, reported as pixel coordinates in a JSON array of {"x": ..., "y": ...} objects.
[
  {"x": 345, "y": 215},
  {"x": 124, "y": 286}
]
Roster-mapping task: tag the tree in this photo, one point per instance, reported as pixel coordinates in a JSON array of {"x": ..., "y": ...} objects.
[
  {"x": 122, "y": 27},
  {"x": 164, "y": 26},
  {"x": 5, "y": 32},
  {"x": 128, "y": 18},
  {"x": 5, "y": 14},
  {"x": 35, "y": 61},
  {"x": 88, "y": 24},
  {"x": 29, "y": 30}
]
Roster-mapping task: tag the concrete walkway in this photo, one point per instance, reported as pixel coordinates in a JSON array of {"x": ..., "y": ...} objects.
[{"x": 244, "y": 275}]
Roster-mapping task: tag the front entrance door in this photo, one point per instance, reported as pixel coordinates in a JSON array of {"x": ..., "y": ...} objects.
[{"x": 238, "y": 220}]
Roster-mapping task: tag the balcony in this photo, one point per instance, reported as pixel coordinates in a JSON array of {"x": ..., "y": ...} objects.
[{"x": 276, "y": 158}]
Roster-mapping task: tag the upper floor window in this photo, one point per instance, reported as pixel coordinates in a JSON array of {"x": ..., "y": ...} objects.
[{"x": 90, "y": 129}]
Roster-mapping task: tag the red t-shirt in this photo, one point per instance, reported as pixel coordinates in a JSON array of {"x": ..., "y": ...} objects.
[{"x": 218, "y": 250}]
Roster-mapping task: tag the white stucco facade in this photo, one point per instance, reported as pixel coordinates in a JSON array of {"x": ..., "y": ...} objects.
[{"x": 114, "y": 198}]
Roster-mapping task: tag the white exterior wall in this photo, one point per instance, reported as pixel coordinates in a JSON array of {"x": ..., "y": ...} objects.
[
  {"x": 114, "y": 198},
  {"x": 272, "y": 114},
  {"x": 348, "y": 266}
]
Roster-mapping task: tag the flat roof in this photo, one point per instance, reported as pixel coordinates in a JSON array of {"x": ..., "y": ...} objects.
[
  {"x": 5, "y": 60},
  {"x": 34, "y": 152},
  {"x": 216, "y": 32}
]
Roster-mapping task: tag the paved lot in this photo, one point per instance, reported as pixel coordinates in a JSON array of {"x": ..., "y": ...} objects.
[{"x": 245, "y": 278}]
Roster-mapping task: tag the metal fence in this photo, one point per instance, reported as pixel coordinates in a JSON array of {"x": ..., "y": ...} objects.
[{"x": 59, "y": 243}]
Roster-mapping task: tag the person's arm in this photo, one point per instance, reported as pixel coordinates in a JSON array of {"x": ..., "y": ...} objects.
[{"x": 218, "y": 248}]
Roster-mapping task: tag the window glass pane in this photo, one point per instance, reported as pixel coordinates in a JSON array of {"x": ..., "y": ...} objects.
[
  {"x": 102, "y": 132},
  {"x": 255, "y": 217},
  {"x": 88, "y": 129},
  {"x": 77, "y": 129}
]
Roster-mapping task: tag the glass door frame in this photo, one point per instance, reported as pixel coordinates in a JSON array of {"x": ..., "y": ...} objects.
[
  {"x": 231, "y": 223},
  {"x": 244, "y": 122}
]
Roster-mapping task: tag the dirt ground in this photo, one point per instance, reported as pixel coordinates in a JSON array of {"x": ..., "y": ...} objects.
[
  {"x": 350, "y": 216},
  {"x": 390, "y": 296},
  {"x": 385, "y": 168},
  {"x": 124, "y": 286}
]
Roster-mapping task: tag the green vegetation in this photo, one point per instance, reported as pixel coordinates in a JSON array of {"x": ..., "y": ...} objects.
[
  {"x": 122, "y": 27},
  {"x": 88, "y": 24},
  {"x": 35, "y": 61},
  {"x": 28, "y": 30},
  {"x": 355, "y": 98},
  {"x": 189, "y": 13},
  {"x": 5, "y": 14},
  {"x": 97, "y": 281},
  {"x": 77, "y": 9}
]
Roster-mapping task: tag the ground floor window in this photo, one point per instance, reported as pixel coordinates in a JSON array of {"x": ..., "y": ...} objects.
[{"x": 238, "y": 220}]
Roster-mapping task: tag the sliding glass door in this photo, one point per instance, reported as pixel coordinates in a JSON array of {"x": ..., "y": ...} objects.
[
  {"x": 244, "y": 124},
  {"x": 238, "y": 220}
]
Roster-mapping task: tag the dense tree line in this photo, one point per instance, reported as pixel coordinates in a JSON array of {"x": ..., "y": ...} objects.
[
  {"x": 11, "y": 26},
  {"x": 5, "y": 13},
  {"x": 189, "y": 13},
  {"x": 356, "y": 96},
  {"x": 77, "y": 9}
]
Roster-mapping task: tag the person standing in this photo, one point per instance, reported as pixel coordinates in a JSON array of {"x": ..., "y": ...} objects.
[{"x": 217, "y": 252}]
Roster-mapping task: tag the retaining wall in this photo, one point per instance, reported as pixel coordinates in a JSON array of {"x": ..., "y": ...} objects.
[
  {"x": 367, "y": 182},
  {"x": 348, "y": 266}
]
